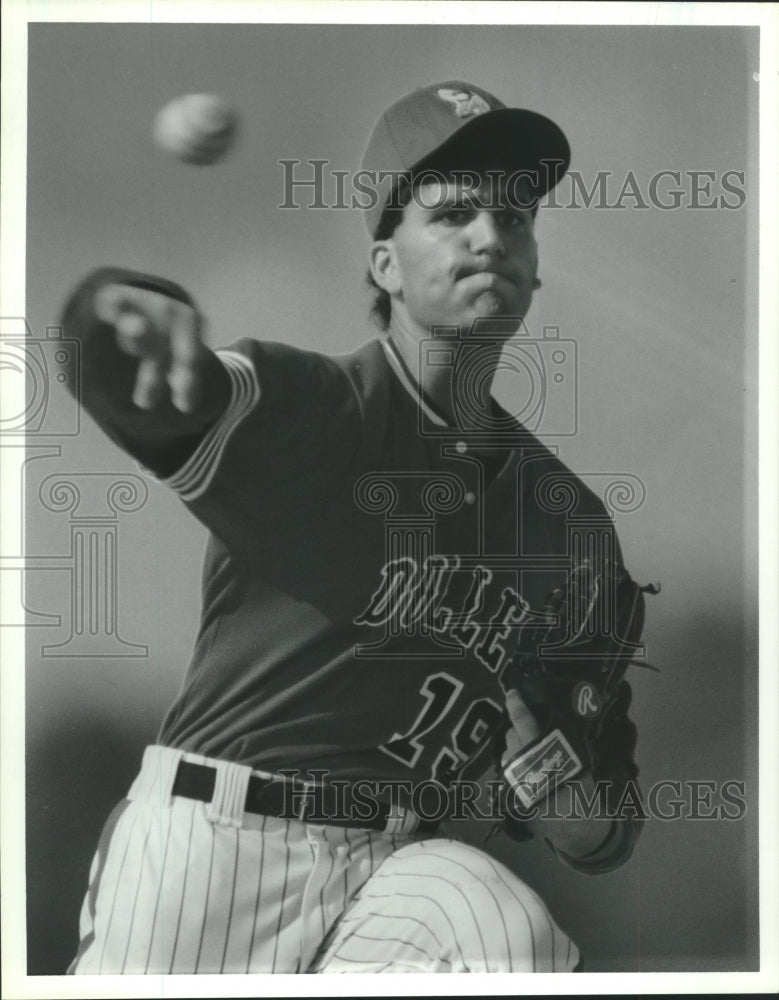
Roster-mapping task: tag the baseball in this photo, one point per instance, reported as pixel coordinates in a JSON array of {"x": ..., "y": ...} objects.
[{"x": 196, "y": 128}]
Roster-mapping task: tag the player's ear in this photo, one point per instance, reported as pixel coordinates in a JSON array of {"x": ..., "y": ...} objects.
[{"x": 383, "y": 263}]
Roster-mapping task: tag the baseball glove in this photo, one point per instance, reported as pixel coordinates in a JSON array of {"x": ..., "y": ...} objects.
[{"x": 570, "y": 674}]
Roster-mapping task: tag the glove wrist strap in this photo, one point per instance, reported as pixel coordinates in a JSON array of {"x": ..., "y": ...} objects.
[{"x": 537, "y": 770}]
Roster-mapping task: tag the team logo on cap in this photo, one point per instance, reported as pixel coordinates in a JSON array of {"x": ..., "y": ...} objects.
[{"x": 464, "y": 103}]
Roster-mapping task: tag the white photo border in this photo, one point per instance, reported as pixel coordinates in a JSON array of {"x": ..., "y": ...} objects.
[{"x": 16, "y": 15}]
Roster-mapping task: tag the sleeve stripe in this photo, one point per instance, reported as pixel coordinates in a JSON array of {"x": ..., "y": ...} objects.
[{"x": 195, "y": 476}]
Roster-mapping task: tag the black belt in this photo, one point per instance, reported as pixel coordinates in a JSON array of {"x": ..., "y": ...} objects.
[{"x": 292, "y": 798}]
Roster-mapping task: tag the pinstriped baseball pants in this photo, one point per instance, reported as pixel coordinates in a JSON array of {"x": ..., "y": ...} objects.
[{"x": 182, "y": 886}]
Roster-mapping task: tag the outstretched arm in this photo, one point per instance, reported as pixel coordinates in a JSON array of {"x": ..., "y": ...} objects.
[{"x": 147, "y": 377}]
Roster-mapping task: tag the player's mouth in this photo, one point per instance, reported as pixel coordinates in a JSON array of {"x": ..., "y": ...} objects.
[
  {"x": 482, "y": 278},
  {"x": 472, "y": 270}
]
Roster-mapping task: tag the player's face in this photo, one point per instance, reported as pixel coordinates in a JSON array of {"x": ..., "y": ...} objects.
[{"x": 459, "y": 255}]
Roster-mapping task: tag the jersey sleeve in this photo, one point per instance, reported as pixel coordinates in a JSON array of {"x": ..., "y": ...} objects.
[
  {"x": 283, "y": 448},
  {"x": 194, "y": 477}
]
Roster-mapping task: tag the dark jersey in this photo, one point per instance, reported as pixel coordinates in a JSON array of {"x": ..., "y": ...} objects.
[{"x": 368, "y": 569}]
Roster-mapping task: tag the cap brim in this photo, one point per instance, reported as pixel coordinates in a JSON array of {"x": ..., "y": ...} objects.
[{"x": 511, "y": 139}]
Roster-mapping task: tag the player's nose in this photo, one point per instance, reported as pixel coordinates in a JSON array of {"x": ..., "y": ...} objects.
[{"x": 485, "y": 233}]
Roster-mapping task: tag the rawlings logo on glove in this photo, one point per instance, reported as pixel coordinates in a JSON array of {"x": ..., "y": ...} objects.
[{"x": 570, "y": 677}]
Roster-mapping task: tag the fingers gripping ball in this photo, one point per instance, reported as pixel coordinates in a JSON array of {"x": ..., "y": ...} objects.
[{"x": 196, "y": 128}]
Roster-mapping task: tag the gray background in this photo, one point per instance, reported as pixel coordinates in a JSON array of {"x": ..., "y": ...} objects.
[{"x": 662, "y": 305}]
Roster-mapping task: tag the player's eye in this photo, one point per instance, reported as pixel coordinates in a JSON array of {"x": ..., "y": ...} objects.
[
  {"x": 455, "y": 214},
  {"x": 511, "y": 218}
]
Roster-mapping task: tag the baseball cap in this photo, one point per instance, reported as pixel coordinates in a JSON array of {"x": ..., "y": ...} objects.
[{"x": 458, "y": 125}]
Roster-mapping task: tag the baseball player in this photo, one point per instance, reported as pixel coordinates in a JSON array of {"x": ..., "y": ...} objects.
[{"x": 378, "y": 540}]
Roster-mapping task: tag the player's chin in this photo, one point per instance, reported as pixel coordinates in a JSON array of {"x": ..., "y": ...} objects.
[
  {"x": 499, "y": 298},
  {"x": 499, "y": 309},
  {"x": 492, "y": 303}
]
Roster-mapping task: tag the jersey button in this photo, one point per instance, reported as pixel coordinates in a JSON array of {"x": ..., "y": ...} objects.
[
  {"x": 461, "y": 447},
  {"x": 470, "y": 498}
]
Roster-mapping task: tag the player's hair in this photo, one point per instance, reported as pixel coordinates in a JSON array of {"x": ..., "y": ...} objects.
[{"x": 381, "y": 307}]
